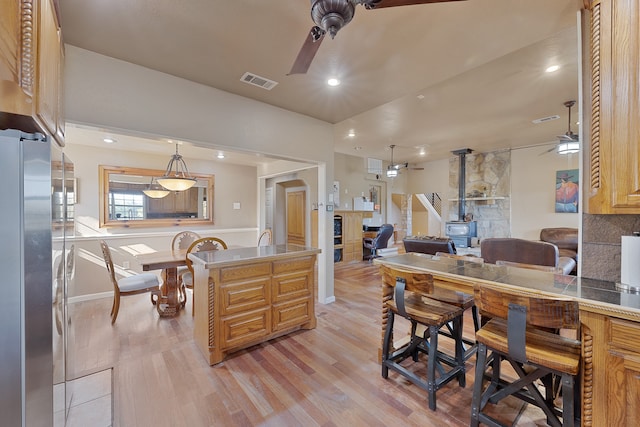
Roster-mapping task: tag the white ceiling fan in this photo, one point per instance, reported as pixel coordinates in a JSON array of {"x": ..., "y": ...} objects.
[
  {"x": 394, "y": 168},
  {"x": 568, "y": 143}
]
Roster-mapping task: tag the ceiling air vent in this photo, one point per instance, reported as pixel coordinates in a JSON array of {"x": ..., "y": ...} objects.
[
  {"x": 545, "y": 119},
  {"x": 255, "y": 80}
]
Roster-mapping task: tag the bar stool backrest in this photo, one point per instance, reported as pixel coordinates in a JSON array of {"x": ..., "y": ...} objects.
[
  {"x": 541, "y": 312},
  {"x": 417, "y": 282}
]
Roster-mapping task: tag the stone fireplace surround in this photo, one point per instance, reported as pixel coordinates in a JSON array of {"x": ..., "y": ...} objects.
[{"x": 487, "y": 189}]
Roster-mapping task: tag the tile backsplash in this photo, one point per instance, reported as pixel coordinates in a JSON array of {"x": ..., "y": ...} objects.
[{"x": 601, "y": 242}]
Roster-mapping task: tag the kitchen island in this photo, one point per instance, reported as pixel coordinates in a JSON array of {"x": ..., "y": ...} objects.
[
  {"x": 610, "y": 327},
  {"x": 246, "y": 296}
]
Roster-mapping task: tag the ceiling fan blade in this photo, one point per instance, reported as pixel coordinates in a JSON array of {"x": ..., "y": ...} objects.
[
  {"x": 568, "y": 138},
  {"x": 549, "y": 150},
  {"x": 307, "y": 51},
  {"x": 392, "y": 3}
]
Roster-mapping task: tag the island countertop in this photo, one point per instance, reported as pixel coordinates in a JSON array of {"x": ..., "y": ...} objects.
[
  {"x": 247, "y": 296},
  {"x": 609, "y": 331},
  {"x": 590, "y": 292},
  {"x": 228, "y": 257}
]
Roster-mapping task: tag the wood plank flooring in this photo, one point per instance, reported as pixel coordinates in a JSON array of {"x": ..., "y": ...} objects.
[{"x": 328, "y": 376}]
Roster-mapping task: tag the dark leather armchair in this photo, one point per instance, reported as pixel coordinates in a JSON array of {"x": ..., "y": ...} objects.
[
  {"x": 379, "y": 242},
  {"x": 524, "y": 251},
  {"x": 565, "y": 238}
]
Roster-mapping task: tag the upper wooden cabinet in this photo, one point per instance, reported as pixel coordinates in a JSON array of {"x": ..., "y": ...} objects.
[
  {"x": 31, "y": 54},
  {"x": 613, "y": 179}
]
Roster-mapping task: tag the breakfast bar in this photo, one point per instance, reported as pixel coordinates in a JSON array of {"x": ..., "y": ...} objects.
[
  {"x": 610, "y": 326},
  {"x": 247, "y": 296}
]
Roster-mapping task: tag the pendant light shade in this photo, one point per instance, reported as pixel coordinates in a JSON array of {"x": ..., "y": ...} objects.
[
  {"x": 176, "y": 177},
  {"x": 155, "y": 191}
]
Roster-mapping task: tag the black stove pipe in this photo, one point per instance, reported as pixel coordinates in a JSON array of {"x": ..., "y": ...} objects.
[{"x": 462, "y": 153}]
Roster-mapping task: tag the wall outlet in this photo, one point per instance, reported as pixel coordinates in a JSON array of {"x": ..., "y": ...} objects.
[
  {"x": 236, "y": 205},
  {"x": 126, "y": 264}
]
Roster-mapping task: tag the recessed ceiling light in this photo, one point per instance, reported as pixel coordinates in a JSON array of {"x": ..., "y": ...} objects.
[
  {"x": 221, "y": 155},
  {"x": 420, "y": 96},
  {"x": 333, "y": 81},
  {"x": 109, "y": 140},
  {"x": 351, "y": 133},
  {"x": 552, "y": 68}
]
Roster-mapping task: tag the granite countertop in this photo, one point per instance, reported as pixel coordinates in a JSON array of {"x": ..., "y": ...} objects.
[
  {"x": 240, "y": 255},
  {"x": 591, "y": 291}
]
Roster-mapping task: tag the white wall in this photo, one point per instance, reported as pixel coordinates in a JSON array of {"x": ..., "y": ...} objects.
[
  {"x": 533, "y": 180},
  {"x": 110, "y": 93},
  {"x": 532, "y": 188},
  {"x": 236, "y": 227}
]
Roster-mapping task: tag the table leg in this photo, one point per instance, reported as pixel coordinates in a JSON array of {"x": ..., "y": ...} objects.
[{"x": 168, "y": 302}]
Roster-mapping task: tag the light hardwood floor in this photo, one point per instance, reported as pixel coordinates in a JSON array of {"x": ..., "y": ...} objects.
[{"x": 328, "y": 376}]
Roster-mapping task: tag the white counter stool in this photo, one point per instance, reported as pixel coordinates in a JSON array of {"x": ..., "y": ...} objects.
[
  {"x": 416, "y": 306},
  {"x": 523, "y": 331}
]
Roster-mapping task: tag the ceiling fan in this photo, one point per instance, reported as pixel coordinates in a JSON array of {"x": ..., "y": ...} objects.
[
  {"x": 394, "y": 168},
  {"x": 569, "y": 142},
  {"x": 332, "y": 15}
]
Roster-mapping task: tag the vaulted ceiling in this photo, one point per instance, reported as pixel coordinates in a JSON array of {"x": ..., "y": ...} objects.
[{"x": 432, "y": 77}]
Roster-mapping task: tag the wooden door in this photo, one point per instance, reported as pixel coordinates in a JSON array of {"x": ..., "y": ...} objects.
[{"x": 296, "y": 217}]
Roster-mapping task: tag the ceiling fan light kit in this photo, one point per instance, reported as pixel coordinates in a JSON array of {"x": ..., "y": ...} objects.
[
  {"x": 569, "y": 142},
  {"x": 568, "y": 147}
]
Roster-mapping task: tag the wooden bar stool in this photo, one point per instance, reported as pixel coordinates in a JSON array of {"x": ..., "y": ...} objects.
[
  {"x": 523, "y": 331},
  {"x": 462, "y": 300},
  {"x": 416, "y": 306}
]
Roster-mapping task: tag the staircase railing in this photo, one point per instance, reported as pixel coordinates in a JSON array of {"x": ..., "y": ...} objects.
[{"x": 435, "y": 200}]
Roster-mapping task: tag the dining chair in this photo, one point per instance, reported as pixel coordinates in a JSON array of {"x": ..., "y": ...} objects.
[
  {"x": 182, "y": 241},
  {"x": 200, "y": 245},
  {"x": 131, "y": 285},
  {"x": 265, "y": 238}
]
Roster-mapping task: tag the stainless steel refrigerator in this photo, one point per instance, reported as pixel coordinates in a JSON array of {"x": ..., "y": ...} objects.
[{"x": 26, "y": 360}]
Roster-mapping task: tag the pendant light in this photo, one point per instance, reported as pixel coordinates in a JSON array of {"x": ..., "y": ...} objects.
[
  {"x": 155, "y": 191},
  {"x": 178, "y": 179}
]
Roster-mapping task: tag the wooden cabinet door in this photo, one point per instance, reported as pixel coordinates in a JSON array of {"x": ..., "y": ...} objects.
[
  {"x": 48, "y": 67},
  {"x": 18, "y": 47},
  {"x": 613, "y": 180},
  {"x": 31, "y": 54},
  {"x": 353, "y": 236},
  {"x": 296, "y": 218},
  {"x": 623, "y": 379}
]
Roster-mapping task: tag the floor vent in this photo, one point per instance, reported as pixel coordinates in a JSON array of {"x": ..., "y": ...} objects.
[
  {"x": 255, "y": 80},
  {"x": 546, "y": 119}
]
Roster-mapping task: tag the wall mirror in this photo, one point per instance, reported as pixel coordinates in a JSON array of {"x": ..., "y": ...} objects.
[{"x": 124, "y": 204}]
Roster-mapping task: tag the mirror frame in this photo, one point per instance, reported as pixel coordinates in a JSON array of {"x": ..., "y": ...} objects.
[{"x": 105, "y": 171}]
